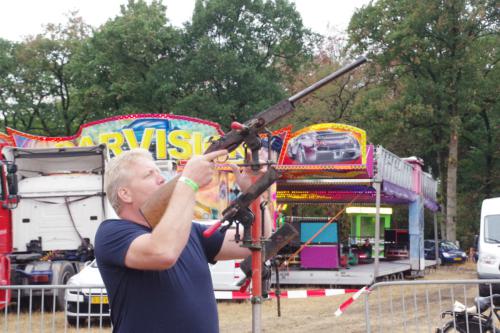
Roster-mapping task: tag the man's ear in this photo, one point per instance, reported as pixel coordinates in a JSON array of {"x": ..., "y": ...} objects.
[{"x": 124, "y": 195}]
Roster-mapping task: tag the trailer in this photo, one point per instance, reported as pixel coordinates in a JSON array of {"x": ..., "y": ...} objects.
[{"x": 351, "y": 174}]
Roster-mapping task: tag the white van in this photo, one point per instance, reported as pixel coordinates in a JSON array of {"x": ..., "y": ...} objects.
[{"x": 488, "y": 265}]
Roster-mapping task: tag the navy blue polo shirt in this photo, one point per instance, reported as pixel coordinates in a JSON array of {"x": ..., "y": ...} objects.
[{"x": 179, "y": 299}]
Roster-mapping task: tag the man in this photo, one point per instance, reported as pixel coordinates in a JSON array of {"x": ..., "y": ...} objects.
[
  {"x": 158, "y": 280},
  {"x": 367, "y": 248}
]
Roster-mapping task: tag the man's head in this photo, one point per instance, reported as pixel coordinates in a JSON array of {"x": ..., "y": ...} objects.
[{"x": 130, "y": 178}]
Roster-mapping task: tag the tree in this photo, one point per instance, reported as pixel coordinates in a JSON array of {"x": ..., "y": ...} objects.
[
  {"x": 233, "y": 59},
  {"x": 480, "y": 162},
  {"x": 131, "y": 63},
  {"x": 334, "y": 102},
  {"x": 38, "y": 81},
  {"x": 7, "y": 66},
  {"x": 238, "y": 55},
  {"x": 427, "y": 53}
]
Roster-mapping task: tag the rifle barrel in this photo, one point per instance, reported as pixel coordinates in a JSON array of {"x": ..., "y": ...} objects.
[{"x": 347, "y": 68}]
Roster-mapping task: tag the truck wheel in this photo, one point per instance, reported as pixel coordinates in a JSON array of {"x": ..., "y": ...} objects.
[{"x": 65, "y": 272}]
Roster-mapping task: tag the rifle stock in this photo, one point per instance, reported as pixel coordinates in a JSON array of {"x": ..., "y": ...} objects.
[{"x": 154, "y": 208}]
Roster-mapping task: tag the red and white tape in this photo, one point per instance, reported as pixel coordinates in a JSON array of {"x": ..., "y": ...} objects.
[
  {"x": 350, "y": 300},
  {"x": 286, "y": 293}
]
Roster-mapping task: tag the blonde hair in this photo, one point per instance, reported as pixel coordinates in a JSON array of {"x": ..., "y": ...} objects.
[{"x": 118, "y": 174}]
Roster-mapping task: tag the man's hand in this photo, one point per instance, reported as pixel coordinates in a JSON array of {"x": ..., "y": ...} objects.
[
  {"x": 244, "y": 177},
  {"x": 200, "y": 169}
]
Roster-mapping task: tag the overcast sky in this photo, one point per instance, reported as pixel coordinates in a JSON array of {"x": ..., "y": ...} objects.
[{"x": 19, "y": 18}]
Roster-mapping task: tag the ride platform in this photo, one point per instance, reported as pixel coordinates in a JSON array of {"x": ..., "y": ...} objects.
[{"x": 360, "y": 275}]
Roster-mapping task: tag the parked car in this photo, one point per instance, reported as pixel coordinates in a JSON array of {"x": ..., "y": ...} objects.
[
  {"x": 448, "y": 251},
  {"x": 85, "y": 303},
  {"x": 324, "y": 147}
]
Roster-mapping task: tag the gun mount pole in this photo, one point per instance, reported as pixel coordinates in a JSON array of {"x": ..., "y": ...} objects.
[
  {"x": 347, "y": 68},
  {"x": 256, "y": 266}
]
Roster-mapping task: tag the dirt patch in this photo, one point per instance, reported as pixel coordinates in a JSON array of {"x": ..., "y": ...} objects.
[{"x": 408, "y": 309}]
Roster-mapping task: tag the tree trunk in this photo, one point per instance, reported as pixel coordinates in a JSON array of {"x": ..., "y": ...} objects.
[
  {"x": 442, "y": 224},
  {"x": 489, "y": 156},
  {"x": 451, "y": 186},
  {"x": 442, "y": 161}
]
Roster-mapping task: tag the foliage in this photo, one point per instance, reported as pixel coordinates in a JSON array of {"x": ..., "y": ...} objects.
[
  {"x": 38, "y": 82},
  {"x": 335, "y": 101},
  {"x": 231, "y": 60},
  {"x": 430, "y": 56},
  {"x": 129, "y": 65},
  {"x": 241, "y": 52}
]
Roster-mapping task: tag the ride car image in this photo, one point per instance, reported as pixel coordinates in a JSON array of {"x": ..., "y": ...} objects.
[
  {"x": 448, "y": 251},
  {"x": 325, "y": 146}
]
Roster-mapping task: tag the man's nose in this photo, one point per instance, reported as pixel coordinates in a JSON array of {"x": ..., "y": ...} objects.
[{"x": 160, "y": 179}]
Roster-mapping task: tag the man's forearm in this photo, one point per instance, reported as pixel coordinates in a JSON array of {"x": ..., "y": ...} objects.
[{"x": 172, "y": 232}]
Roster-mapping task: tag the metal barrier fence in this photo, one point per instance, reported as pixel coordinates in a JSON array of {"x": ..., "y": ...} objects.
[
  {"x": 38, "y": 309},
  {"x": 417, "y": 306},
  {"x": 395, "y": 306}
]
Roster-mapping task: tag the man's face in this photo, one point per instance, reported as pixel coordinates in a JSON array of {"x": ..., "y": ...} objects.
[{"x": 145, "y": 179}]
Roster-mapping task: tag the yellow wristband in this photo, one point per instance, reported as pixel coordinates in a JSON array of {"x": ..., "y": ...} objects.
[{"x": 189, "y": 182}]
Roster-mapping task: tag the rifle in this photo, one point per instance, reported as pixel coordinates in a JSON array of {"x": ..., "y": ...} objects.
[{"x": 247, "y": 133}]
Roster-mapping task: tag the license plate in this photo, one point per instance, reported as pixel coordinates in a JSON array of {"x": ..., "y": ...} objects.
[
  {"x": 99, "y": 299},
  {"x": 457, "y": 259}
]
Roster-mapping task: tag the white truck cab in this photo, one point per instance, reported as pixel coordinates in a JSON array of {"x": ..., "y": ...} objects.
[
  {"x": 488, "y": 265},
  {"x": 54, "y": 205}
]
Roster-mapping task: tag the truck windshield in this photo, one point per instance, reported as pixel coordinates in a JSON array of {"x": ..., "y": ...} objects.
[{"x": 492, "y": 229}]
